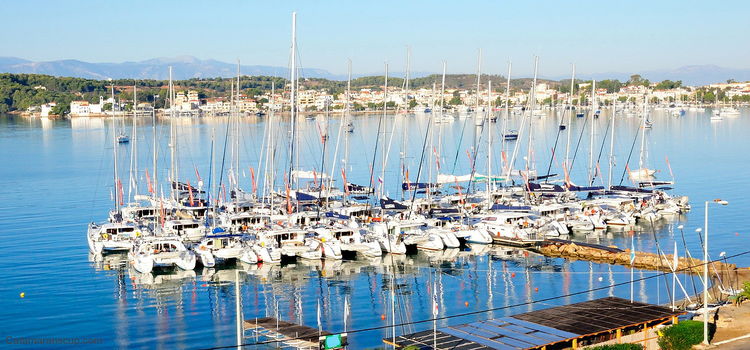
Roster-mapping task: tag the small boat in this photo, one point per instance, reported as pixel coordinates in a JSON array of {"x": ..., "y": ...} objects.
[
  {"x": 260, "y": 113},
  {"x": 716, "y": 116},
  {"x": 349, "y": 127},
  {"x": 122, "y": 138},
  {"x": 579, "y": 115},
  {"x": 648, "y": 124},
  {"x": 511, "y": 135},
  {"x": 729, "y": 112},
  {"x": 642, "y": 173}
]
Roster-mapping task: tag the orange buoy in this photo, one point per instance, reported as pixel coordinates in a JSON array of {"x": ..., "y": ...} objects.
[
  {"x": 466, "y": 303},
  {"x": 513, "y": 274},
  {"x": 382, "y": 316},
  {"x": 536, "y": 289}
]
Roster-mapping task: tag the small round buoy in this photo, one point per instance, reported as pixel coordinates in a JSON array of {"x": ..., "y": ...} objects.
[
  {"x": 204, "y": 285},
  {"x": 382, "y": 316},
  {"x": 536, "y": 289},
  {"x": 600, "y": 279},
  {"x": 22, "y": 294},
  {"x": 736, "y": 233},
  {"x": 513, "y": 274},
  {"x": 466, "y": 303}
]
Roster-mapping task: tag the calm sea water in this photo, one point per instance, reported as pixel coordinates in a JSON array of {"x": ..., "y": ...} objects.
[{"x": 56, "y": 176}]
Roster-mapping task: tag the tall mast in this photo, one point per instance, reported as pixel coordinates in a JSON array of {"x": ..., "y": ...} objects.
[
  {"x": 172, "y": 140},
  {"x": 479, "y": 78},
  {"x": 237, "y": 134},
  {"x": 591, "y": 141},
  {"x": 347, "y": 121},
  {"x": 133, "y": 183},
  {"x": 402, "y": 153},
  {"x": 529, "y": 163},
  {"x": 155, "y": 149},
  {"x": 292, "y": 97},
  {"x": 507, "y": 111},
  {"x": 114, "y": 150},
  {"x": 642, "y": 158},
  {"x": 570, "y": 117},
  {"x": 612, "y": 144},
  {"x": 489, "y": 143},
  {"x": 271, "y": 148},
  {"x": 385, "y": 113}
]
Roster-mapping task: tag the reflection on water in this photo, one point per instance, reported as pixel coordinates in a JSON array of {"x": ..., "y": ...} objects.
[
  {"x": 474, "y": 278},
  {"x": 57, "y": 178}
]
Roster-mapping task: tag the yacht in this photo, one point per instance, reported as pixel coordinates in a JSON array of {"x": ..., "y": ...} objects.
[
  {"x": 113, "y": 237},
  {"x": 161, "y": 252}
]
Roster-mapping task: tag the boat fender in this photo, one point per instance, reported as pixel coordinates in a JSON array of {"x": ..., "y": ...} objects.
[{"x": 105, "y": 236}]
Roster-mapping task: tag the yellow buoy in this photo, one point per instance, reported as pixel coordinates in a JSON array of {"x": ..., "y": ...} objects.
[{"x": 22, "y": 294}]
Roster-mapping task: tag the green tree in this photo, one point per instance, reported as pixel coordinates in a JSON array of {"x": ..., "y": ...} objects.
[
  {"x": 610, "y": 85},
  {"x": 455, "y": 100},
  {"x": 412, "y": 103},
  {"x": 668, "y": 85},
  {"x": 636, "y": 79}
]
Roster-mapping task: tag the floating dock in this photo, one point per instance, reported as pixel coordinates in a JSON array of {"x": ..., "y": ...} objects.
[
  {"x": 569, "y": 326},
  {"x": 286, "y": 333}
]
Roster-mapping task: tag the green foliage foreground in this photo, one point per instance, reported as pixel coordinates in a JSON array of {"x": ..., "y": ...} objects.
[
  {"x": 683, "y": 335},
  {"x": 618, "y": 347}
]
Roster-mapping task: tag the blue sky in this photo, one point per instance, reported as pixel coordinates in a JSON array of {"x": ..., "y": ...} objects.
[{"x": 599, "y": 36}]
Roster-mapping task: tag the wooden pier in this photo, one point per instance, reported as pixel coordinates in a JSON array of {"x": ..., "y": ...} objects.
[
  {"x": 569, "y": 326},
  {"x": 287, "y": 333}
]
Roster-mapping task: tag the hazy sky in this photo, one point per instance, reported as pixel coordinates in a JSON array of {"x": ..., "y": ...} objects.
[{"x": 599, "y": 36}]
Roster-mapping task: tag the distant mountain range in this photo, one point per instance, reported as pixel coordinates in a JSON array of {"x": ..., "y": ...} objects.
[
  {"x": 186, "y": 67},
  {"x": 183, "y": 67}
]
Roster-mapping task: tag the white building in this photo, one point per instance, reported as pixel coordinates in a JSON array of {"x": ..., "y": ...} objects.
[
  {"x": 46, "y": 109},
  {"x": 80, "y": 108}
]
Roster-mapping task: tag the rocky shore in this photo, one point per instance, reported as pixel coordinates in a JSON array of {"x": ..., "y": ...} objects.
[{"x": 614, "y": 255}]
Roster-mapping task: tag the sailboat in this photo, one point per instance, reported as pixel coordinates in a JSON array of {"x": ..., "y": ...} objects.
[{"x": 643, "y": 173}]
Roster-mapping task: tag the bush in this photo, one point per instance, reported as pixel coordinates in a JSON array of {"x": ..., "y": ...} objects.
[
  {"x": 743, "y": 295},
  {"x": 682, "y": 336},
  {"x": 618, "y": 347}
]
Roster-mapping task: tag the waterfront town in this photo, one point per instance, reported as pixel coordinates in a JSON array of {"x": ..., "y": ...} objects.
[{"x": 190, "y": 103}]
